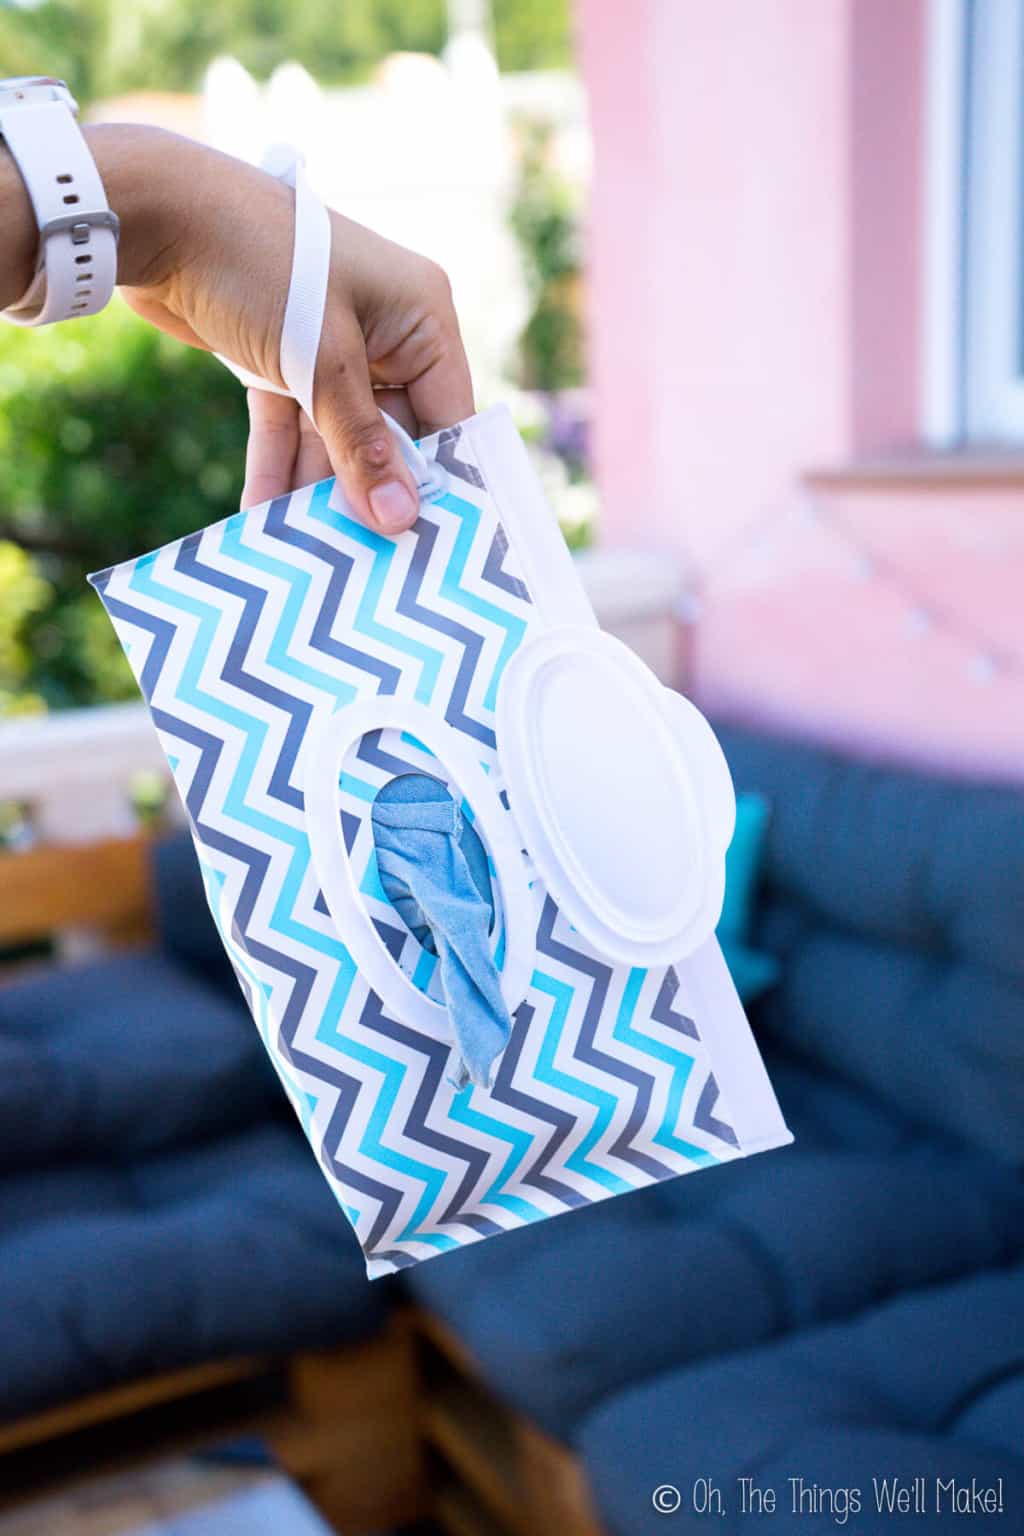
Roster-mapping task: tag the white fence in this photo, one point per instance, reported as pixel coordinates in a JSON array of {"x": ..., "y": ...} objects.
[{"x": 425, "y": 155}]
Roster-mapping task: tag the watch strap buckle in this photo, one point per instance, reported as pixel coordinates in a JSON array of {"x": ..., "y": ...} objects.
[{"x": 81, "y": 225}]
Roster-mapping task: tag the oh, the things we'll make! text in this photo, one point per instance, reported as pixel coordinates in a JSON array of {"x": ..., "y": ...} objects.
[{"x": 797, "y": 1496}]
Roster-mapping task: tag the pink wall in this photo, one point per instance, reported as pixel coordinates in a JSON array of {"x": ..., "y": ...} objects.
[
  {"x": 718, "y": 277},
  {"x": 884, "y": 134},
  {"x": 797, "y": 638},
  {"x": 755, "y": 257}
]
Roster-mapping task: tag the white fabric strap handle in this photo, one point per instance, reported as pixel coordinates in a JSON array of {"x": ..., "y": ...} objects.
[
  {"x": 304, "y": 310},
  {"x": 77, "y": 240},
  {"x": 307, "y": 290}
]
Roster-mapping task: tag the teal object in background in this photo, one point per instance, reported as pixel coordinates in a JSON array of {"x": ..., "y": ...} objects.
[{"x": 752, "y": 971}]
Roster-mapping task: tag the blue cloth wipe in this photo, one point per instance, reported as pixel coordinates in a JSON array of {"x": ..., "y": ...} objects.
[{"x": 433, "y": 870}]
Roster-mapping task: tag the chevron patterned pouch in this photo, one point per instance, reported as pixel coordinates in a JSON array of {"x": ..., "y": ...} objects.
[{"x": 295, "y": 663}]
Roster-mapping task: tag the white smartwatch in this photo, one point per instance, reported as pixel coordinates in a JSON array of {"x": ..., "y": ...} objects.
[{"x": 77, "y": 265}]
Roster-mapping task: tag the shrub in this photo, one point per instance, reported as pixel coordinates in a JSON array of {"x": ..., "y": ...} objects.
[
  {"x": 113, "y": 439},
  {"x": 545, "y": 218}
]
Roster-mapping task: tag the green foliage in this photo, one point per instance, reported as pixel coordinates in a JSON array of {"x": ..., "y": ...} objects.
[
  {"x": 532, "y": 34},
  {"x": 23, "y": 594},
  {"x": 113, "y": 439},
  {"x": 546, "y": 220},
  {"x": 106, "y": 47}
]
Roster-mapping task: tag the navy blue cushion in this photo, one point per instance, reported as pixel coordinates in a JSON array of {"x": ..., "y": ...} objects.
[
  {"x": 185, "y": 928},
  {"x": 893, "y": 900},
  {"x": 895, "y": 1043},
  {"x": 130, "y": 1241},
  {"x": 913, "y": 860},
  {"x": 930, "y": 1385},
  {"x": 121, "y": 1057},
  {"x": 231, "y": 1247},
  {"x": 711, "y": 1263}
]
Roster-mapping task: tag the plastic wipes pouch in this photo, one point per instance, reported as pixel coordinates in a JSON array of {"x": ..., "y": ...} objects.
[{"x": 519, "y": 1006}]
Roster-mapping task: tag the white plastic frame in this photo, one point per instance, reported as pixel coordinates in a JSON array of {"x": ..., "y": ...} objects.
[
  {"x": 690, "y": 756},
  {"x": 325, "y": 755}
]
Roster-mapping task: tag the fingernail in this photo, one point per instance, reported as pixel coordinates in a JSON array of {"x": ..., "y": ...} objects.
[{"x": 393, "y": 507}]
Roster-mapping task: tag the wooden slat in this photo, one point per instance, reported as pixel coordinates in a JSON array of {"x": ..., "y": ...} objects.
[
  {"x": 133, "y": 1397},
  {"x": 353, "y": 1440},
  {"x": 458, "y": 1512},
  {"x": 441, "y": 1337},
  {"x": 484, "y": 1460},
  {"x": 104, "y": 885},
  {"x": 528, "y": 1483},
  {"x": 532, "y": 1485}
]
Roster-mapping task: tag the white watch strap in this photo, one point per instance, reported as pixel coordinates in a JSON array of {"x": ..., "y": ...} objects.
[{"x": 77, "y": 262}]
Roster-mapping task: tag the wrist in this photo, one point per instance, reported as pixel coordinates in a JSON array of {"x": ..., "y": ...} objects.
[
  {"x": 22, "y": 232},
  {"x": 145, "y": 173}
]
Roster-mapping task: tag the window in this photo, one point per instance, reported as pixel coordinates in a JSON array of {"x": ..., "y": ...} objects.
[
  {"x": 974, "y": 223},
  {"x": 994, "y": 221}
]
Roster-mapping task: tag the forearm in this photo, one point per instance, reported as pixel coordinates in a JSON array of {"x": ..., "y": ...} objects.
[
  {"x": 151, "y": 179},
  {"x": 206, "y": 253},
  {"x": 18, "y": 233}
]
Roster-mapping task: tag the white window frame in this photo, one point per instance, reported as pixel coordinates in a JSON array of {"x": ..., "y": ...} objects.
[
  {"x": 972, "y": 382},
  {"x": 994, "y": 290},
  {"x": 942, "y": 244}
]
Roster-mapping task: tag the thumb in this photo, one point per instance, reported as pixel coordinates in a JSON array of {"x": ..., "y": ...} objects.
[{"x": 364, "y": 454}]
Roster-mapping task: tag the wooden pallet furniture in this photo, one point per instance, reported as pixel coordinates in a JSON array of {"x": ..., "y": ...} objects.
[
  {"x": 101, "y": 887},
  {"x": 344, "y": 1423},
  {"x": 490, "y": 1471},
  {"x": 393, "y": 1429}
]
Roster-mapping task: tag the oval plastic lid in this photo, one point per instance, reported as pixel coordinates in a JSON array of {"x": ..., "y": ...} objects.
[{"x": 621, "y": 792}]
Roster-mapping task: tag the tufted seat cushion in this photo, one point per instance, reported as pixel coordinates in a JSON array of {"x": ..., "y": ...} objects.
[
  {"x": 109, "y": 1272},
  {"x": 123, "y": 1057},
  {"x": 579, "y": 1308},
  {"x": 159, "y": 1205},
  {"x": 930, "y": 1386},
  {"x": 186, "y": 931},
  {"x": 895, "y": 1041},
  {"x": 894, "y": 902}
]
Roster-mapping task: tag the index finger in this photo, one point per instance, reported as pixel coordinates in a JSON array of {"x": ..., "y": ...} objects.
[{"x": 443, "y": 393}]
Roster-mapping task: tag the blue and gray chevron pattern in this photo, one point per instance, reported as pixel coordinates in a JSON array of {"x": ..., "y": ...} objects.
[{"x": 239, "y": 636}]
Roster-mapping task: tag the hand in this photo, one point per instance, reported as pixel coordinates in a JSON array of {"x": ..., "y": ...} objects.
[{"x": 212, "y": 268}]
